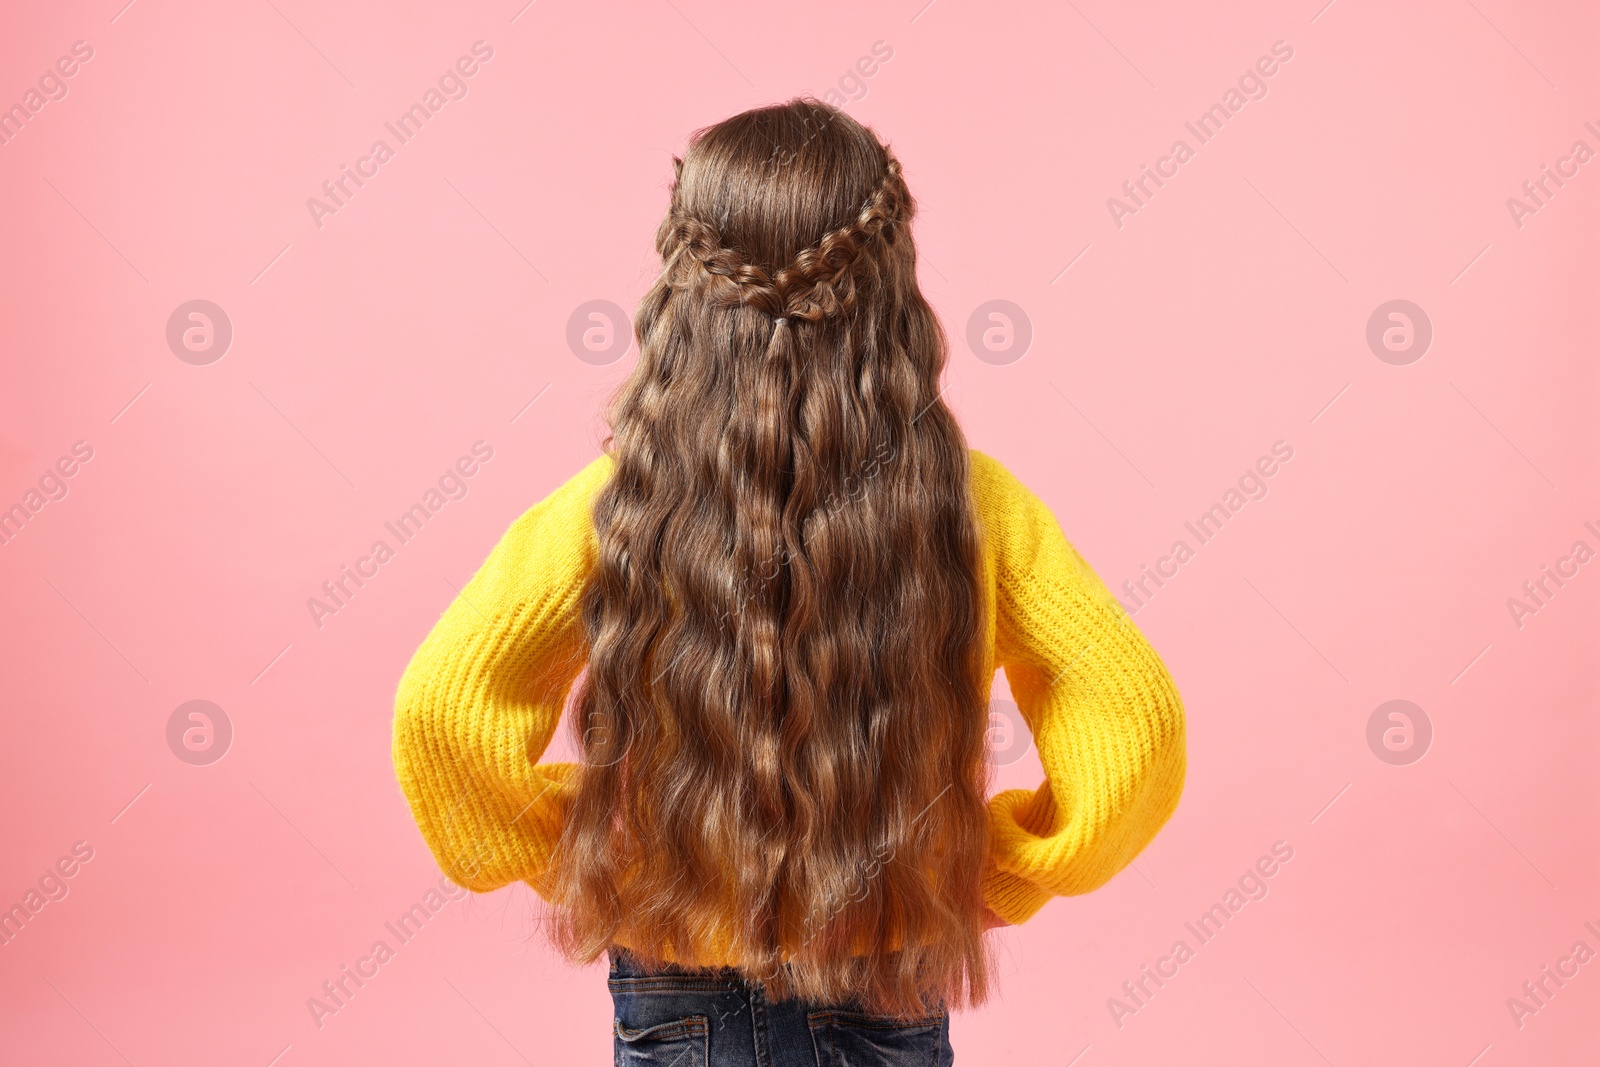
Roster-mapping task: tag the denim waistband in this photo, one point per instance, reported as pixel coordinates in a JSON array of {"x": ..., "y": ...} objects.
[{"x": 625, "y": 964}]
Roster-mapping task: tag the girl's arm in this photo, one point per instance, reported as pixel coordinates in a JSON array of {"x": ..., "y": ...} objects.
[
  {"x": 481, "y": 697},
  {"x": 1106, "y": 718}
]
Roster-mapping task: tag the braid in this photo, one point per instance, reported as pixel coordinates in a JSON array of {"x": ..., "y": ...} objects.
[{"x": 818, "y": 283}]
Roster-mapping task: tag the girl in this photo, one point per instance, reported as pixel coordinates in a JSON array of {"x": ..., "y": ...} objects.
[{"x": 791, "y": 582}]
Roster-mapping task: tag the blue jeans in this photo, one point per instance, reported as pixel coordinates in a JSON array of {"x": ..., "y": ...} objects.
[{"x": 673, "y": 1017}]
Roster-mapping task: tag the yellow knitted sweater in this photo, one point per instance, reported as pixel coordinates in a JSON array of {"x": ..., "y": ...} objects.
[{"x": 481, "y": 698}]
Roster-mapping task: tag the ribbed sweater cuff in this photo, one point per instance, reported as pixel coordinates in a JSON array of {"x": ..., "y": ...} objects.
[{"x": 1012, "y": 898}]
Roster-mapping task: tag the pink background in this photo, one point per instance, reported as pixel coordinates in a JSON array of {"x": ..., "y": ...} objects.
[{"x": 368, "y": 354}]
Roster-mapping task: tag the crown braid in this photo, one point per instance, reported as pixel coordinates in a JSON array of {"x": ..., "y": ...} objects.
[{"x": 820, "y": 281}]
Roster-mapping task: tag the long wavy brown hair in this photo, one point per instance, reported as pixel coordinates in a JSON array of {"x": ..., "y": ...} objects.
[{"x": 782, "y": 723}]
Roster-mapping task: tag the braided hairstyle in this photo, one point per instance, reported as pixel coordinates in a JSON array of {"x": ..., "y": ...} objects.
[
  {"x": 782, "y": 722},
  {"x": 819, "y": 282}
]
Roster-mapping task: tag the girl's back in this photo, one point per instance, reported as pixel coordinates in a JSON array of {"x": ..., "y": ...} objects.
[{"x": 791, "y": 582}]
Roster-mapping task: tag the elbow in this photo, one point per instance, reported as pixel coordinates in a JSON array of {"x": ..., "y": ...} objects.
[
  {"x": 416, "y": 705},
  {"x": 416, "y": 738},
  {"x": 437, "y": 806},
  {"x": 1157, "y": 781},
  {"x": 408, "y": 726},
  {"x": 1163, "y": 716},
  {"x": 1167, "y": 767},
  {"x": 1169, "y": 735}
]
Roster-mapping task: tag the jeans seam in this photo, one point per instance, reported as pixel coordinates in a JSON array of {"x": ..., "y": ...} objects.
[{"x": 758, "y": 1027}]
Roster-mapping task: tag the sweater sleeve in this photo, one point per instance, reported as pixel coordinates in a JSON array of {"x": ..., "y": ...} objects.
[
  {"x": 1105, "y": 715},
  {"x": 480, "y": 699}
]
